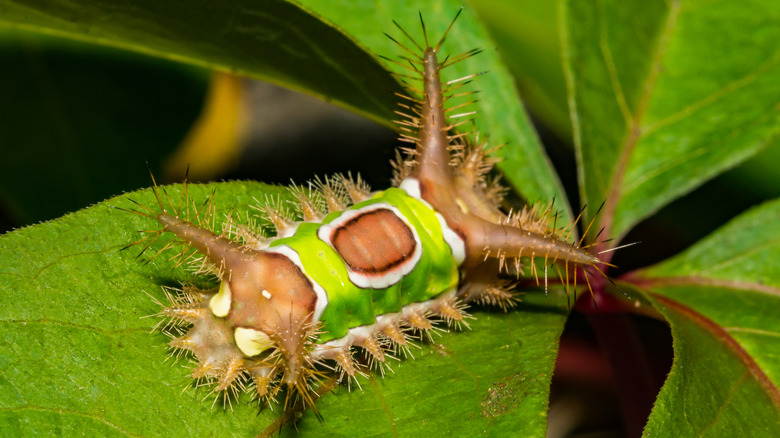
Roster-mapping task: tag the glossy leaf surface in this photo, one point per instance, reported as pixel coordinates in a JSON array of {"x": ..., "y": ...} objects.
[
  {"x": 721, "y": 298},
  {"x": 665, "y": 96}
]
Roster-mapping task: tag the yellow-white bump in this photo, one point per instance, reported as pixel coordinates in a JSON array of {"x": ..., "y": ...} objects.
[
  {"x": 220, "y": 303},
  {"x": 251, "y": 342}
]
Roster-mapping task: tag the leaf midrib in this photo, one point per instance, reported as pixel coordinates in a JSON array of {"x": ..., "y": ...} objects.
[
  {"x": 727, "y": 340},
  {"x": 693, "y": 280},
  {"x": 634, "y": 132}
]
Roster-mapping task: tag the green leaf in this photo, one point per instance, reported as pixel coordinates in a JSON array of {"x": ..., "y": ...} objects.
[
  {"x": 666, "y": 95},
  {"x": 529, "y": 43},
  {"x": 279, "y": 42},
  {"x": 733, "y": 278},
  {"x": 744, "y": 253},
  {"x": 715, "y": 388},
  {"x": 78, "y": 356},
  {"x": 271, "y": 40},
  {"x": 721, "y": 298}
]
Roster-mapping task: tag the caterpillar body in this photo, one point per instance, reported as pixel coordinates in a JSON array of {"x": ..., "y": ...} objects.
[{"x": 363, "y": 271}]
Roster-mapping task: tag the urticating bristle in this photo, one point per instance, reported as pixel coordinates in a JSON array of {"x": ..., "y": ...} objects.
[
  {"x": 309, "y": 203},
  {"x": 182, "y": 343},
  {"x": 229, "y": 374},
  {"x": 202, "y": 216},
  {"x": 539, "y": 218},
  {"x": 275, "y": 212},
  {"x": 418, "y": 320},
  {"x": 402, "y": 168},
  {"x": 345, "y": 361},
  {"x": 183, "y": 309},
  {"x": 494, "y": 191},
  {"x": 395, "y": 334},
  {"x": 188, "y": 313},
  {"x": 451, "y": 310},
  {"x": 265, "y": 381},
  {"x": 357, "y": 189},
  {"x": 473, "y": 161},
  {"x": 347, "y": 367},
  {"x": 499, "y": 294},
  {"x": 374, "y": 348},
  {"x": 246, "y": 231},
  {"x": 379, "y": 350},
  {"x": 333, "y": 192},
  {"x": 203, "y": 369}
]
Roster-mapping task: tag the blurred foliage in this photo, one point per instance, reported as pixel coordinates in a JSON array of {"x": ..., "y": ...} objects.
[{"x": 72, "y": 111}]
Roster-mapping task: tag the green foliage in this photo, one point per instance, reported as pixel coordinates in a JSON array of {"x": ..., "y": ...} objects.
[
  {"x": 663, "y": 96},
  {"x": 662, "y": 101}
]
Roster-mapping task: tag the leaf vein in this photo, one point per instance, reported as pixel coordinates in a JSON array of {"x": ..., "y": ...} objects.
[
  {"x": 609, "y": 62},
  {"x": 73, "y": 325},
  {"x": 742, "y": 255},
  {"x": 726, "y": 402},
  {"x": 751, "y": 330},
  {"x": 61, "y": 411},
  {"x": 715, "y": 96},
  {"x": 633, "y": 132}
]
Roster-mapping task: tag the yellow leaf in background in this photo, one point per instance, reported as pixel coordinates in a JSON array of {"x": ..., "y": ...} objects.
[{"x": 211, "y": 148}]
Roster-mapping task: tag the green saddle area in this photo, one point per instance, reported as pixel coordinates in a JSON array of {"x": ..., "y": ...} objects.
[{"x": 350, "y": 306}]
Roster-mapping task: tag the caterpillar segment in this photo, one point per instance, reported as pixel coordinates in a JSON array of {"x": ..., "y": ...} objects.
[{"x": 365, "y": 275}]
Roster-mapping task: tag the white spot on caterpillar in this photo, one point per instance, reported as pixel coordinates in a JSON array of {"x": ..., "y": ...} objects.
[
  {"x": 330, "y": 349},
  {"x": 453, "y": 239},
  {"x": 363, "y": 332},
  {"x": 412, "y": 188},
  {"x": 387, "y": 319},
  {"x": 458, "y": 247},
  {"x": 322, "y": 296},
  {"x": 462, "y": 205},
  {"x": 251, "y": 342},
  {"x": 220, "y": 303},
  {"x": 266, "y": 294},
  {"x": 288, "y": 230}
]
